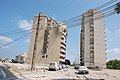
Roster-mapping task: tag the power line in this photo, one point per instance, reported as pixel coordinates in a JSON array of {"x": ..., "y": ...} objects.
[
  {"x": 79, "y": 16},
  {"x": 95, "y": 13},
  {"x": 78, "y": 23},
  {"x": 15, "y": 34},
  {"x": 105, "y": 14},
  {"x": 62, "y": 6},
  {"x": 71, "y": 19},
  {"x": 106, "y": 4},
  {"x": 58, "y": 5},
  {"x": 19, "y": 30},
  {"x": 15, "y": 40},
  {"x": 65, "y": 7},
  {"x": 109, "y": 13}
]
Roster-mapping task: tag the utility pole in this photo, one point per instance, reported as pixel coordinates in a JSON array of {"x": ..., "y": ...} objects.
[{"x": 35, "y": 44}]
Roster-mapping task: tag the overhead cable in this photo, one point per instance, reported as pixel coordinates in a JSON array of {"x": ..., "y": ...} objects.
[
  {"x": 15, "y": 40},
  {"x": 104, "y": 5}
]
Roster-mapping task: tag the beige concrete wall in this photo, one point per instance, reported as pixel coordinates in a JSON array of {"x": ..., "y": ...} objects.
[
  {"x": 86, "y": 44},
  {"x": 99, "y": 41},
  {"x": 53, "y": 48},
  {"x": 54, "y": 39},
  {"x": 39, "y": 40},
  {"x": 99, "y": 38},
  {"x": 32, "y": 40}
]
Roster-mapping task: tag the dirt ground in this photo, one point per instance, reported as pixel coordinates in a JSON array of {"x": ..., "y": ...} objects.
[{"x": 23, "y": 71}]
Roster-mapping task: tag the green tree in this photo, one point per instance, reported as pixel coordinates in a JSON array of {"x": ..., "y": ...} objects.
[
  {"x": 117, "y": 8},
  {"x": 113, "y": 64},
  {"x": 67, "y": 62}
]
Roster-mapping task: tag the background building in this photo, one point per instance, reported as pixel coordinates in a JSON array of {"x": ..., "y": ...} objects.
[
  {"x": 21, "y": 58},
  {"x": 50, "y": 43},
  {"x": 92, "y": 42}
]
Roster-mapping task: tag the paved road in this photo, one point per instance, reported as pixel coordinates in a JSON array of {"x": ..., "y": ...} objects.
[{"x": 5, "y": 74}]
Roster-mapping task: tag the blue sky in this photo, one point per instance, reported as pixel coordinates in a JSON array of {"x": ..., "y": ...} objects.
[{"x": 16, "y": 14}]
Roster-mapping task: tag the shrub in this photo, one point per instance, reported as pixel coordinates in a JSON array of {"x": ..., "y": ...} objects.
[{"x": 113, "y": 64}]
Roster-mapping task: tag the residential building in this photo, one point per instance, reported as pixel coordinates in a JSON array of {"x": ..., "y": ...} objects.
[
  {"x": 92, "y": 39},
  {"x": 50, "y": 43}
]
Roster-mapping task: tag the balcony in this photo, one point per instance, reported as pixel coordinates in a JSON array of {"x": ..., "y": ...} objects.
[
  {"x": 62, "y": 51},
  {"x": 64, "y": 34},
  {"x": 62, "y": 55},
  {"x": 91, "y": 47},
  {"x": 62, "y": 60},
  {"x": 91, "y": 26},
  {"x": 91, "y": 30},
  {"x": 63, "y": 37},
  {"x": 61, "y": 47},
  {"x": 91, "y": 34},
  {"x": 63, "y": 43}
]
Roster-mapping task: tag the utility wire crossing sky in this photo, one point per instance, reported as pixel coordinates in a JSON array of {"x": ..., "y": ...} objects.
[{"x": 16, "y": 21}]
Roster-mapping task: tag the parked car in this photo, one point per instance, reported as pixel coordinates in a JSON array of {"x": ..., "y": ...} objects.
[
  {"x": 53, "y": 66},
  {"x": 97, "y": 68},
  {"x": 76, "y": 67},
  {"x": 83, "y": 70},
  {"x": 64, "y": 66},
  {"x": 60, "y": 66},
  {"x": 67, "y": 66},
  {"x": 5, "y": 74}
]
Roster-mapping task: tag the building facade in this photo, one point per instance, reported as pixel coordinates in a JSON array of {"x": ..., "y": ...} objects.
[
  {"x": 51, "y": 41},
  {"x": 92, "y": 39}
]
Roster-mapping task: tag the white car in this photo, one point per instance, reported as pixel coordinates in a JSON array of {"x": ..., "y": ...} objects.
[
  {"x": 64, "y": 66},
  {"x": 83, "y": 70},
  {"x": 60, "y": 66},
  {"x": 53, "y": 66}
]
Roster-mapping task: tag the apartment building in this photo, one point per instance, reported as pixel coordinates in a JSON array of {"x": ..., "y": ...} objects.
[
  {"x": 92, "y": 39},
  {"x": 50, "y": 42}
]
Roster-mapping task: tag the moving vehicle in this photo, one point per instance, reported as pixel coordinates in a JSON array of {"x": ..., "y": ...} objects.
[
  {"x": 83, "y": 70},
  {"x": 5, "y": 74},
  {"x": 53, "y": 66}
]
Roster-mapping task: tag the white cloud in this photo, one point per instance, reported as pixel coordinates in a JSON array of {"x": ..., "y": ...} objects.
[
  {"x": 24, "y": 24},
  {"x": 5, "y": 39},
  {"x": 114, "y": 50},
  {"x": 113, "y": 54}
]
